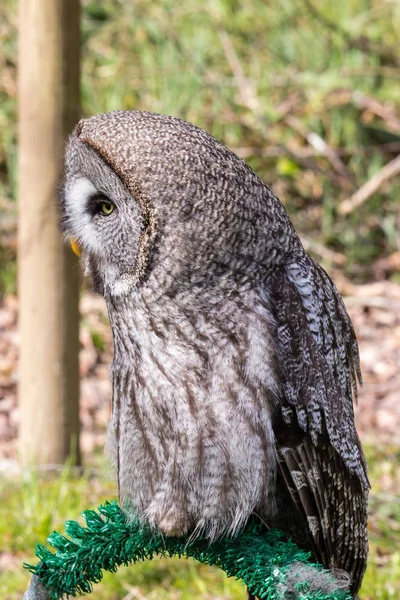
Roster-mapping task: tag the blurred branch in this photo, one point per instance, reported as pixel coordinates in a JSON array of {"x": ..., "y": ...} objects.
[
  {"x": 246, "y": 90},
  {"x": 387, "y": 114},
  {"x": 307, "y": 151},
  {"x": 250, "y": 100},
  {"x": 330, "y": 255},
  {"x": 373, "y": 302},
  {"x": 388, "y": 55},
  {"x": 282, "y": 79},
  {"x": 388, "y": 289},
  {"x": 319, "y": 144},
  {"x": 371, "y": 70},
  {"x": 370, "y": 187},
  {"x": 386, "y": 265},
  {"x": 344, "y": 97},
  {"x": 385, "y": 289}
]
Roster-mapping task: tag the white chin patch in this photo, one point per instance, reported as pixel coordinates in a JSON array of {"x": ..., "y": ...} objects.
[
  {"x": 76, "y": 199},
  {"x": 122, "y": 286}
]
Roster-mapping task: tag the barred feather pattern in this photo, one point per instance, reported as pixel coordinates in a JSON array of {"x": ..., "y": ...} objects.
[
  {"x": 191, "y": 433},
  {"x": 319, "y": 453},
  {"x": 235, "y": 363}
]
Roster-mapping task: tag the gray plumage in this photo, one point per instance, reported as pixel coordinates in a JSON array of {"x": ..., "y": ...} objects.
[{"x": 235, "y": 362}]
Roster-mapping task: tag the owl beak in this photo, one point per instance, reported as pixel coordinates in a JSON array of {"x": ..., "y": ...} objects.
[{"x": 74, "y": 246}]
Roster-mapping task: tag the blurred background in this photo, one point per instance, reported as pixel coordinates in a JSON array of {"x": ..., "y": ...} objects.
[{"x": 306, "y": 91}]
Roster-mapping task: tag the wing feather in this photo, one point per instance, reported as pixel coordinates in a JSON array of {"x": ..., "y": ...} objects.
[{"x": 319, "y": 454}]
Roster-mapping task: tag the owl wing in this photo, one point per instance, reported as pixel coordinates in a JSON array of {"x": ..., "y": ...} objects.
[{"x": 321, "y": 463}]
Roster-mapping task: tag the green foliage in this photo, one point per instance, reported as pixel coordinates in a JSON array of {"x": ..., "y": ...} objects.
[
  {"x": 108, "y": 540},
  {"x": 98, "y": 340},
  {"x": 8, "y": 272},
  {"x": 42, "y": 504},
  {"x": 35, "y": 506},
  {"x": 241, "y": 70}
]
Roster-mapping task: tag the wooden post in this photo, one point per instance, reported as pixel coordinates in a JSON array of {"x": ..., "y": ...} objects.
[{"x": 48, "y": 281}]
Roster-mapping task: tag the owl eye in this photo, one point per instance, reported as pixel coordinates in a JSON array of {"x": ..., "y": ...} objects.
[{"x": 106, "y": 207}]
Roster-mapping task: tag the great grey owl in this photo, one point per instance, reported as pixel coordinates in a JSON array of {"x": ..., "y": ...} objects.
[{"x": 235, "y": 362}]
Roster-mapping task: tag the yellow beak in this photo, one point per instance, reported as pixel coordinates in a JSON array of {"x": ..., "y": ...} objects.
[{"x": 75, "y": 246}]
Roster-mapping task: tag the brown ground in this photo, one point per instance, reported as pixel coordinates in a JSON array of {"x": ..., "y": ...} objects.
[{"x": 374, "y": 309}]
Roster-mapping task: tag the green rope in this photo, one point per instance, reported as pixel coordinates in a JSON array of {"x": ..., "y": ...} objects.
[{"x": 108, "y": 540}]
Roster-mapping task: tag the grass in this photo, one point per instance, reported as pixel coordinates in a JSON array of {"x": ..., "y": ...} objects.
[
  {"x": 243, "y": 70},
  {"x": 240, "y": 70},
  {"x": 382, "y": 579},
  {"x": 35, "y": 505}
]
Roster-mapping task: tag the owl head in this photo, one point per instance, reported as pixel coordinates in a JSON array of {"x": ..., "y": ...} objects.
[{"x": 151, "y": 198}]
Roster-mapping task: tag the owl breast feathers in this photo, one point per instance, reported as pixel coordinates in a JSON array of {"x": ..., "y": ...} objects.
[{"x": 235, "y": 362}]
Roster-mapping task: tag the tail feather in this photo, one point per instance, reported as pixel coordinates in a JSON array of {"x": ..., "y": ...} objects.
[{"x": 331, "y": 503}]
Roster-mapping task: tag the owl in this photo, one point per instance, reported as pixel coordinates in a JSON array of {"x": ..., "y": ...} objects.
[{"x": 235, "y": 362}]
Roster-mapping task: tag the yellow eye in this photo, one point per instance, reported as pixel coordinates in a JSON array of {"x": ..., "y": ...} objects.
[{"x": 107, "y": 208}]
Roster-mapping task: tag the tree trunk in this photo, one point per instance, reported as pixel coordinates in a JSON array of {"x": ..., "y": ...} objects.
[{"x": 48, "y": 281}]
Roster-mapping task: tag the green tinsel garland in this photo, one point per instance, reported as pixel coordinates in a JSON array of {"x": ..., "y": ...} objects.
[{"x": 109, "y": 540}]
